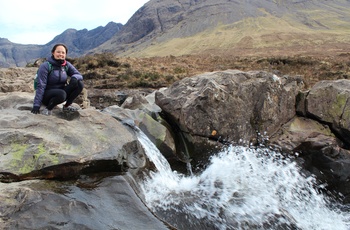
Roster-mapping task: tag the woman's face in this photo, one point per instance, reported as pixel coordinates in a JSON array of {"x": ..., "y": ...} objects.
[{"x": 59, "y": 53}]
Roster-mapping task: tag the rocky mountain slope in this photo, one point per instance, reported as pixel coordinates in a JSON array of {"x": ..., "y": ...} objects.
[
  {"x": 78, "y": 41},
  {"x": 12, "y": 54},
  {"x": 183, "y": 27}
]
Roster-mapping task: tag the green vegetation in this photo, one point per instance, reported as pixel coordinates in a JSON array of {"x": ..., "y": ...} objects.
[
  {"x": 18, "y": 152},
  {"x": 20, "y": 156}
]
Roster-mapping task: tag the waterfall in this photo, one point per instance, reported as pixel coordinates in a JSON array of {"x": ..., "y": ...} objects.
[{"x": 241, "y": 188}]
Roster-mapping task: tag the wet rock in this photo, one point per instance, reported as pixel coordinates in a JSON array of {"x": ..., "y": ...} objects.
[
  {"x": 142, "y": 112},
  {"x": 87, "y": 203}
]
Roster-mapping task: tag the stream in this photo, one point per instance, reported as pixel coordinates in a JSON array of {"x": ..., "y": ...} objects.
[{"x": 241, "y": 188}]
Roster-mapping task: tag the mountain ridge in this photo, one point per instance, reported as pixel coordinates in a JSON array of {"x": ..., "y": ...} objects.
[
  {"x": 78, "y": 42},
  {"x": 172, "y": 26}
]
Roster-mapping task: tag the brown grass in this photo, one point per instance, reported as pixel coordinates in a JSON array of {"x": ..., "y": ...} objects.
[{"x": 106, "y": 71}]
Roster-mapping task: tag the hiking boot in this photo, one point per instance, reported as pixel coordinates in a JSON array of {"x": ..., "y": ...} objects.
[
  {"x": 46, "y": 112},
  {"x": 69, "y": 109}
]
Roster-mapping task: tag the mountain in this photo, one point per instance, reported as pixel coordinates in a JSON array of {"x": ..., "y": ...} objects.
[
  {"x": 213, "y": 27},
  {"x": 81, "y": 41},
  {"x": 12, "y": 54},
  {"x": 168, "y": 27},
  {"x": 78, "y": 42}
]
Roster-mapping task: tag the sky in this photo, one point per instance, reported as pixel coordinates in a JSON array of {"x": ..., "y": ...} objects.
[{"x": 39, "y": 21}]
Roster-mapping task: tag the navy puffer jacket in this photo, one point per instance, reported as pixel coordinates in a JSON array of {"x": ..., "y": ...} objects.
[{"x": 56, "y": 80}]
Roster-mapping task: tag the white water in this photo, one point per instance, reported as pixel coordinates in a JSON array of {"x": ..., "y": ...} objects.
[{"x": 241, "y": 188}]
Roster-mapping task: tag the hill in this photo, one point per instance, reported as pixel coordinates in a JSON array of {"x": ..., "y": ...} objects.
[{"x": 253, "y": 27}]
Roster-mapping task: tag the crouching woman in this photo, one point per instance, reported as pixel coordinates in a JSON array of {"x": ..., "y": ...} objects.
[{"x": 52, "y": 82}]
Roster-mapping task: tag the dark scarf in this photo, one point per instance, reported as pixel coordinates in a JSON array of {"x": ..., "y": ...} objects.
[{"x": 59, "y": 61}]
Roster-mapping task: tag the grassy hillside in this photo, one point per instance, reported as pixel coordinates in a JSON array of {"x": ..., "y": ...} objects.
[{"x": 308, "y": 32}]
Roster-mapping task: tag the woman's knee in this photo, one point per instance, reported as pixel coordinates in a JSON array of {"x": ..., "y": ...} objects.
[
  {"x": 80, "y": 85},
  {"x": 63, "y": 95},
  {"x": 58, "y": 95}
]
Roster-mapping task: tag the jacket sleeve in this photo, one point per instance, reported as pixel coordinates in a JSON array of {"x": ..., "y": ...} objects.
[
  {"x": 43, "y": 72},
  {"x": 73, "y": 72}
]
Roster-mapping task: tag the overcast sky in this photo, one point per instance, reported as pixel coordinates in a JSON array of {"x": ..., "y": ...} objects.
[{"x": 39, "y": 21}]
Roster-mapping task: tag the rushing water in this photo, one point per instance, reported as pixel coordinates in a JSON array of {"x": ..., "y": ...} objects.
[{"x": 241, "y": 188}]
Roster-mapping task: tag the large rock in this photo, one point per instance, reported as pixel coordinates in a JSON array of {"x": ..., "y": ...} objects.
[
  {"x": 88, "y": 203},
  {"x": 299, "y": 131},
  {"x": 328, "y": 102},
  {"x": 229, "y": 106},
  {"x": 80, "y": 153},
  {"x": 61, "y": 146},
  {"x": 326, "y": 150}
]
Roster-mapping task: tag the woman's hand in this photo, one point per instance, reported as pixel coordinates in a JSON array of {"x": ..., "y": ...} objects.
[
  {"x": 35, "y": 109},
  {"x": 73, "y": 82}
]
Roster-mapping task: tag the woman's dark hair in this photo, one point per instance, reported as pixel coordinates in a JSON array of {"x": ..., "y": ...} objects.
[{"x": 59, "y": 44}]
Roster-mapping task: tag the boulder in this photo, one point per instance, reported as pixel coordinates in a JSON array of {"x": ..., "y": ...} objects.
[
  {"x": 39, "y": 146},
  {"x": 328, "y": 102},
  {"x": 95, "y": 202},
  {"x": 295, "y": 133},
  {"x": 229, "y": 106}
]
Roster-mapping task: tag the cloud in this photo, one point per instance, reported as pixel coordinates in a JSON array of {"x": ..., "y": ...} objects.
[
  {"x": 18, "y": 13},
  {"x": 39, "y": 21}
]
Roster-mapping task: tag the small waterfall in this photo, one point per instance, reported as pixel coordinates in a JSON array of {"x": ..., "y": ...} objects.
[
  {"x": 189, "y": 168},
  {"x": 242, "y": 188}
]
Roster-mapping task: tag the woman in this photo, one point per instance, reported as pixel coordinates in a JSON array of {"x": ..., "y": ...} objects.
[{"x": 52, "y": 88}]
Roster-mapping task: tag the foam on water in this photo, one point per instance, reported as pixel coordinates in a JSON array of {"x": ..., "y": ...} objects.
[{"x": 242, "y": 186}]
